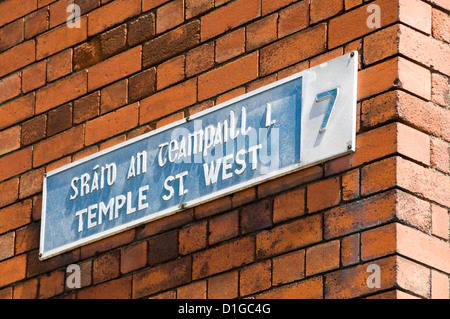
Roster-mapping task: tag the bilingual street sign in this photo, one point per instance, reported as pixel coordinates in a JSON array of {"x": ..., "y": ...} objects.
[{"x": 302, "y": 120}]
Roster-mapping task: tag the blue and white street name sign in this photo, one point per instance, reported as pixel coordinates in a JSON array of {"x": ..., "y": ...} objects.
[{"x": 305, "y": 119}]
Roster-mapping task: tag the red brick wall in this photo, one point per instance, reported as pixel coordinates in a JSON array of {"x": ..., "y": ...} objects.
[{"x": 135, "y": 65}]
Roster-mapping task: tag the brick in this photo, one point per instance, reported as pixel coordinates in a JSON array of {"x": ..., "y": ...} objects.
[
  {"x": 10, "y": 87},
  {"x": 353, "y": 24},
  {"x": 59, "y": 39},
  {"x": 26, "y": 290},
  {"x": 163, "y": 248},
  {"x": 413, "y": 211},
  {"x": 323, "y": 9},
  {"x": 200, "y": 59},
  {"x": 150, "y": 4},
  {"x": 111, "y": 124},
  {"x": 34, "y": 130},
  {"x": 293, "y": 49},
  {"x": 142, "y": 85},
  {"x": 87, "y": 54},
  {"x": 9, "y": 140},
  {"x": 141, "y": 29},
  {"x": 230, "y": 45},
  {"x": 13, "y": 270},
  {"x": 27, "y": 238},
  {"x": 439, "y": 285},
  {"x": 106, "y": 267},
  {"x": 87, "y": 5},
  {"x": 15, "y": 216},
  {"x": 323, "y": 194},
  {"x": 288, "y": 268},
  {"x": 59, "y": 119},
  {"x": 11, "y": 34},
  {"x": 58, "y": 146},
  {"x": 416, "y": 14},
  {"x": 114, "y": 289},
  {"x": 15, "y": 9},
  {"x": 223, "y": 286},
  {"x": 34, "y": 77},
  {"x": 114, "y": 96},
  {"x": 229, "y": 17},
  {"x": 61, "y": 92},
  {"x": 222, "y": 258},
  {"x": 359, "y": 215},
  {"x": 168, "y": 101},
  {"x": 170, "y": 72},
  {"x": 228, "y": 76},
  {"x": 255, "y": 278},
  {"x": 36, "y": 23},
  {"x": 7, "y": 245},
  {"x": 322, "y": 257},
  {"x": 440, "y": 92},
  {"x": 171, "y": 44},
  {"x": 350, "y": 251},
  {"x": 378, "y": 242},
  {"x": 16, "y": 110},
  {"x": 290, "y": 236},
  {"x": 111, "y": 14},
  {"x": 86, "y": 108},
  {"x": 196, "y": 290},
  {"x": 133, "y": 257},
  {"x": 382, "y": 44},
  {"x": 261, "y": 32},
  {"x": 58, "y": 12},
  {"x": 441, "y": 25},
  {"x": 289, "y": 205},
  {"x": 439, "y": 221},
  {"x": 423, "y": 181},
  {"x": 169, "y": 16},
  {"x": 51, "y": 284},
  {"x": 223, "y": 227},
  {"x": 162, "y": 277},
  {"x": 294, "y": 18},
  {"x": 9, "y": 191},
  {"x": 59, "y": 65},
  {"x": 379, "y": 175},
  {"x": 305, "y": 289},
  {"x": 113, "y": 41},
  {"x": 193, "y": 238},
  {"x": 197, "y": 7},
  {"x": 256, "y": 216},
  {"x": 352, "y": 3},
  {"x": 440, "y": 155},
  {"x": 350, "y": 185},
  {"x": 268, "y": 6},
  {"x": 15, "y": 163},
  {"x": 31, "y": 183},
  {"x": 108, "y": 71}
]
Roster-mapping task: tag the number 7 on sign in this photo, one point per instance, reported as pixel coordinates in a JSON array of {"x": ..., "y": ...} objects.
[{"x": 332, "y": 95}]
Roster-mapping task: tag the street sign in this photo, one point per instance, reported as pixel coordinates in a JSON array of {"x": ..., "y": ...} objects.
[{"x": 294, "y": 123}]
